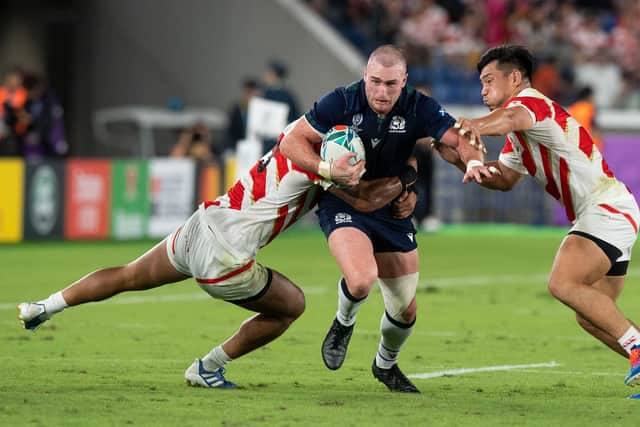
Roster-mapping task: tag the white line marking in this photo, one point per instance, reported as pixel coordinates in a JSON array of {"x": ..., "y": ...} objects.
[{"x": 463, "y": 371}]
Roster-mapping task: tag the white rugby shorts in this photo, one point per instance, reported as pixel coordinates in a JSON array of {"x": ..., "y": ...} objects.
[
  {"x": 196, "y": 251},
  {"x": 615, "y": 223}
]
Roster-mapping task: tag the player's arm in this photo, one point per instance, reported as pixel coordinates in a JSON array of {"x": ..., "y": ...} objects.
[
  {"x": 502, "y": 177},
  {"x": 499, "y": 122},
  {"x": 405, "y": 203},
  {"x": 297, "y": 145},
  {"x": 471, "y": 155},
  {"x": 369, "y": 196}
]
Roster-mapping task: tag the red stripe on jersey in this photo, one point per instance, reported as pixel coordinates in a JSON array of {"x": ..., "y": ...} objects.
[
  {"x": 538, "y": 106},
  {"x": 236, "y": 194},
  {"x": 566, "y": 191},
  {"x": 508, "y": 147},
  {"x": 527, "y": 158},
  {"x": 616, "y": 211},
  {"x": 551, "y": 187},
  {"x": 228, "y": 275},
  {"x": 279, "y": 222},
  {"x": 561, "y": 116},
  {"x": 626, "y": 215},
  {"x": 258, "y": 175},
  {"x": 607, "y": 171},
  {"x": 173, "y": 241},
  {"x": 208, "y": 203},
  {"x": 282, "y": 165},
  {"x": 299, "y": 206},
  {"x": 585, "y": 142}
]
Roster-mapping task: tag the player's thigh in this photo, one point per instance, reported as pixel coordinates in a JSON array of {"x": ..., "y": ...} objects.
[
  {"x": 353, "y": 252},
  {"x": 152, "y": 269},
  {"x": 396, "y": 264},
  {"x": 282, "y": 298},
  {"x": 579, "y": 260}
]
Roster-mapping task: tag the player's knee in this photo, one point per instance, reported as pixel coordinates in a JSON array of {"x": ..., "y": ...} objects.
[
  {"x": 297, "y": 304},
  {"x": 360, "y": 284},
  {"x": 399, "y": 295},
  {"x": 559, "y": 288}
]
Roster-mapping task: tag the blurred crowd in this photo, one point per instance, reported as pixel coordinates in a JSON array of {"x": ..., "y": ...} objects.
[
  {"x": 579, "y": 43},
  {"x": 31, "y": 117}
]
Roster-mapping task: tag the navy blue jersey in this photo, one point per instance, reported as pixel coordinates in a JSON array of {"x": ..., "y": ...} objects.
[{"x": 388, "y": 141}]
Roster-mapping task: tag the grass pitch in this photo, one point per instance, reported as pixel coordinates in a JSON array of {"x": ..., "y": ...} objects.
[{"x": 482, "y": 304}]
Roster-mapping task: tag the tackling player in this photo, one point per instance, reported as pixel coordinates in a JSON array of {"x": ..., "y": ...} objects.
[
  {"x": 544, "y": 141},
  {"x": 389, "y": 117},
  {"x": 217, "y": 246}
]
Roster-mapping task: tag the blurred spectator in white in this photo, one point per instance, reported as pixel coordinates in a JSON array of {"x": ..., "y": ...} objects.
[
  {"x": 275, "y": 89},
  {"x": 237, "y": 123},
  {"x": 603, "y": 75},
  {"x": 194, "y": 142},
  {"x": 45, "y": 134}
]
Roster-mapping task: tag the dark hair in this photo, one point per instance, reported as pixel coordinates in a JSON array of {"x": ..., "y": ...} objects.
[
  {"x": 279, "y": 68},
  {"x": 513, "y": 56}
]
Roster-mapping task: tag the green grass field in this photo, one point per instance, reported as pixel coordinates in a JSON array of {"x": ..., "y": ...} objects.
[{"x": 482, "y": 303}]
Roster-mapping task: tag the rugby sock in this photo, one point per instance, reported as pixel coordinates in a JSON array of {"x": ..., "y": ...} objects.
[
  {"x": 348, "y": 305},
  {"x": 216, "y": 358},
  {"x": 55, "y": 303},
  {"x": 630, "y": 339},
  {"x": 394, "y": 334}
]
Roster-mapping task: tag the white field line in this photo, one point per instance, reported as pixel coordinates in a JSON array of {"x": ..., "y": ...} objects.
[
  {"x": 463, "y": 371},
  {"x": 319, "y": 290}
]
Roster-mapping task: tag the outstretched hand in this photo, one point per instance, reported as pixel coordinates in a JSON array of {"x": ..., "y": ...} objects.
[
  {"x": 467, "y": 128},
  {"x": 476, "y": 171},
  {"x": 345, "y": 173}
]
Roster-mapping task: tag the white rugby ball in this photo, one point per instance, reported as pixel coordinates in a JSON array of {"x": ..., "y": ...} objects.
[{"x": 341, "y": 140}]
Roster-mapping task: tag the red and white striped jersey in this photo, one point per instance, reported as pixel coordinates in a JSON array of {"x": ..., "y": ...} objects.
[
  {"x": 560, "y": 155},
  {"x": 262, "y": 203}
]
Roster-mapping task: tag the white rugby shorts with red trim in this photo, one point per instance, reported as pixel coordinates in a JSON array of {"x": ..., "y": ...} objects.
[{"x": 194, "y": 250}]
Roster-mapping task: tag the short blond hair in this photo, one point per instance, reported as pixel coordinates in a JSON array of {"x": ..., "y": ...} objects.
[{"x": 388, "y": 55}]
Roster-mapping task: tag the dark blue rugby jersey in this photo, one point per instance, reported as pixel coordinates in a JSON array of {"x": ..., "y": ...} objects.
[{"x": 389, "y": 141}]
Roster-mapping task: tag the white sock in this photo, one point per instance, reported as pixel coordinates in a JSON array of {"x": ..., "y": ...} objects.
[
  {"x": 630, "y": 339},
  {"x": 348, "y": 305},
  {"x": 394, "y": 334},
  {"x": 55, "y": 303},
  {"x": 216, "y": 359}
]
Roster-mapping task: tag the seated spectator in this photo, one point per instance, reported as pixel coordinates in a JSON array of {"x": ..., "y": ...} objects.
[
  {"x": 45, "y": 134},
  {"x": 12, "y": 99},
  {"x": 194, "y": 142}
]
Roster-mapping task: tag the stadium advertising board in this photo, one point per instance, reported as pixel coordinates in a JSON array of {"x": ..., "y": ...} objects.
[
  {"x": 129, "y": 199},
  {"x": 11, "y": 199},
  {"x": 44, "y": 200},
  {"x": 172, "y": 194},
  {"x": 87, "y": 199}
]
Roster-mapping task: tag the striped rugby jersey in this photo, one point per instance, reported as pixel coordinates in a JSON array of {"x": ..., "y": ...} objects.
[
  {"x": 266, "y": 200},
  {"x": 560, "y": 155}
]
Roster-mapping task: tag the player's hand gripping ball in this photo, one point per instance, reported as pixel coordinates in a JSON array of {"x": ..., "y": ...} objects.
[{"x": 341, "y": 140}]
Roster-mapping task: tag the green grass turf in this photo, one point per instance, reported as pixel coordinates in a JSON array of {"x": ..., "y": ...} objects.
[{"x": 482, "y": 302}]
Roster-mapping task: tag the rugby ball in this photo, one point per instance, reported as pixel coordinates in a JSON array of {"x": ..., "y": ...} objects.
[{"x": 341, "y": 140}]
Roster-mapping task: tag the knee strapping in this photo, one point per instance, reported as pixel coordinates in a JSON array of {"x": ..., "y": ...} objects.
[{"x": 398, "y": 292}]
